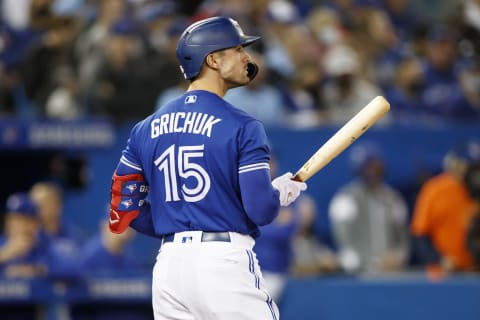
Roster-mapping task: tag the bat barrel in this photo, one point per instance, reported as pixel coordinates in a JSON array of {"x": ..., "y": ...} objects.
[{"x": 344, "y": 137}]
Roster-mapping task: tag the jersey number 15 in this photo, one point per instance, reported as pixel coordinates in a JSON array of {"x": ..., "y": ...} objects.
[{"x": 182, "y": 166}]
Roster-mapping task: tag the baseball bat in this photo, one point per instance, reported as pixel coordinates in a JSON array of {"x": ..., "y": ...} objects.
[{"x": 344, "y": 137}]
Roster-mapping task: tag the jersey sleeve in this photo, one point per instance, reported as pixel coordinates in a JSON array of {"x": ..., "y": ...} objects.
[
  {"x": 129, "y": 161},
  {"x": 260, "y": 199},
  {"x": 254, "y": 149},
  {"x": 129, "y": 164}
]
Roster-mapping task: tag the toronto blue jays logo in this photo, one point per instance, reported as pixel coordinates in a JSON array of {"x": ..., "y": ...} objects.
[
  {"x": 131, "y": 187},
  {"x": 127, "y": 203}
]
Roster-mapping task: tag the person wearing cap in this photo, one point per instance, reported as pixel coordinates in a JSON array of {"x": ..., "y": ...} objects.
[
  {"x": 20, "y": 253},
  {"x": 369, "y": 217},
  {"x": 56, "y": 232},
  {"x": 442, "y": 213},
  {"x": 444, "y": 97}
]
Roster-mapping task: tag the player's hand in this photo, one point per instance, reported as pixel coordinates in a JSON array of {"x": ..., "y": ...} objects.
[{"x": 289, "y": 190}]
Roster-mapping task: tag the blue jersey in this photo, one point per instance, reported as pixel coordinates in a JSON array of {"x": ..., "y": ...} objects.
[{"x": 207, "y": 165}]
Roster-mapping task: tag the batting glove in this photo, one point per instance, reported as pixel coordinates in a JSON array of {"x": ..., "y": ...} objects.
[{"x": 289, "y": 190}]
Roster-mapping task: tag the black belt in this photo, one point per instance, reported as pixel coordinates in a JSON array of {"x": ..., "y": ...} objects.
[{"x": 206, "y": 237}]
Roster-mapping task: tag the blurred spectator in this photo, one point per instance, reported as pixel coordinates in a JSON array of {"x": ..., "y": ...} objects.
[
  {"x": 470, "y": 83},
  {"x": 466, "y": 19},
  {"x": 430, "y": 11},
  {"x": 14, "y": 47},
  {"x": 15, "y": 13},
  {"x": 107, "y": 252},
  {"x": 162, "y": 29},
  {"x": 310, "y": 256},
  {"x": 404, "y": 19},
  {"x": 326, "y": 26},
  {"x": 303, "y": 100},
  {"x": 281, "y": 17},
  {"x": 64, "y": 101},
  {"x": 443, "y": 210},
  {"x": 346, "y": 91},
  {"x": 406, "y": 93},
  {"x": 13, "y": 99},
  {"x": 109, "y": 255},
  {"x": 121, "y": 90},
  {"x": 52, "y": 48},
  {"x": 443, "y": 95},
  {"x": 61, "y": 236},
  {"x": 157, "y": 17},
  {"x": 89, "y": 45},
  {"x": 259, "y": 99},
  {"x": 347, "y": 10},
  {"x": 385, "y": 50},
  {"x": 369, "y": 217},
  {"x": 20, "y": 253}
]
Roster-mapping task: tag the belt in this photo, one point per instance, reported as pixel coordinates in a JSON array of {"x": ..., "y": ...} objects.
[{"x": 206, "y": 237}]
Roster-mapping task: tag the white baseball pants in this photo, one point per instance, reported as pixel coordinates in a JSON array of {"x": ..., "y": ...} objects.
[{"x": 195, "y": 280}]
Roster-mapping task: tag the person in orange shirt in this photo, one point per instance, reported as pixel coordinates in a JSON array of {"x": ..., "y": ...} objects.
[{"x": 443, "y": 211}]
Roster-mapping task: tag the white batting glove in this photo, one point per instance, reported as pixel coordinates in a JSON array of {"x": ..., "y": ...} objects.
[{"x": 289, "y": 189}]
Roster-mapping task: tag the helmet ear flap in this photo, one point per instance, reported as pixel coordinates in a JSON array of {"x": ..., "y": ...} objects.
[{"x": 252, "y": 70}]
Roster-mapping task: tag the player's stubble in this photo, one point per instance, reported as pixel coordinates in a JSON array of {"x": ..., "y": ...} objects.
[{"x": 233, "y": 66}]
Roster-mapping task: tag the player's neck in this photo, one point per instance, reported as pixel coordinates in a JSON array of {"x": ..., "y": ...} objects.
[{"x": 214, "y": 85}]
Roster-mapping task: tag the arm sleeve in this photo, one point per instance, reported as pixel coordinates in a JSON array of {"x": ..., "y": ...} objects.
[{"x": 260, "y": 200}]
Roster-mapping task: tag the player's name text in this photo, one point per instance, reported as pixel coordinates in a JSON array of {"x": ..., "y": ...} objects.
[{"x": 183, "y": 122}]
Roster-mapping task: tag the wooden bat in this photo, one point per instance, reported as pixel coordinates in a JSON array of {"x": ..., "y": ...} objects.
[{"x": 344, "y": 137}]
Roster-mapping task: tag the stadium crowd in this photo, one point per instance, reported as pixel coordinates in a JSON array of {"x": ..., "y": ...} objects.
[
  {"x": 324, "y": 60},
  {"x": 321, "y": 62}
]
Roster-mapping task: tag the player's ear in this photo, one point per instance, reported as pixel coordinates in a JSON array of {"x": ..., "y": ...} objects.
[{"x": 212, "y": 61}]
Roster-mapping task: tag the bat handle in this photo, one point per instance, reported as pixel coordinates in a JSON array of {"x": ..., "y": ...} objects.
[{"x": 297, "y": 178}]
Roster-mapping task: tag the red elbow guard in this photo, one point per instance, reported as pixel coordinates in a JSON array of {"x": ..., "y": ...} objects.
[{"x": 127, "y": 196}]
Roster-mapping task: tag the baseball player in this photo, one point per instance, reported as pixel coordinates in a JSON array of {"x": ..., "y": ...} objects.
[{"x": 204, "y": 166}]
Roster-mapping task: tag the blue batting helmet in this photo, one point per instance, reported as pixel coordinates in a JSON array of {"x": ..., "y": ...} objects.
[{"x": 206, "y": 36}]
